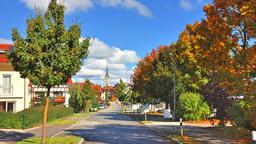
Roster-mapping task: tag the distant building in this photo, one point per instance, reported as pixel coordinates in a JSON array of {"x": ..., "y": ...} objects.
[
  {"x": 14, "y": 90},
  {"x": 58, "y": 94},
  {"x": 108, "y": 90}
]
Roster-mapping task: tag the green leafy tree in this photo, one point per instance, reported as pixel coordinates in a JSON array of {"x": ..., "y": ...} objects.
[
  {"x": 49, "y": 54},
  {"x": 76, "y": 98},
  {"x": 89, "y": 93},
  {"x": 193, "y": 107},
  {"x": 121, "y": 90},
  {"x": 164, "y": 76}
]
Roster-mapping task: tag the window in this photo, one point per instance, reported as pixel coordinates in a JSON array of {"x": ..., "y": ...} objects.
[
  {"x": 7, "y": 84},
  {"x": 7, "y": 106},
  {"x": 10, "y": 106},
  {"x": 58, "y": 93},
  {"x": 2, "y": 106}
]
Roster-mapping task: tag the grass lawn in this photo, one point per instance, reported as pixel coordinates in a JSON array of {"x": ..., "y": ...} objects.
[
  {"x": 239, "y": 135},
  {"x": 54, "y": 140},
  {"x": 62, "y": 121},
  {"x": 70, "y": 119}
]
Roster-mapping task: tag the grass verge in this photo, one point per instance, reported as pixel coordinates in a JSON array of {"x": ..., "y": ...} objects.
[
  {"x": 54, "y": 140},
  {"x": 70, "y": 119}
]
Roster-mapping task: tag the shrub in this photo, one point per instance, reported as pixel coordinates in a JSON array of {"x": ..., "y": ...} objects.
[
  {"x": 33, "y": 116},
  {"x": 192, "y": 106},
  {"x": 10, "y": 120},
  {"x": 242, "y": 114}
]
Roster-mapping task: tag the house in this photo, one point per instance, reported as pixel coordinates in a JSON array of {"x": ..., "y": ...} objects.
[
  {"x": 58, "y": 94},
  {"x": 17, "y": 94},
  {"x": 14, "y": 90}
]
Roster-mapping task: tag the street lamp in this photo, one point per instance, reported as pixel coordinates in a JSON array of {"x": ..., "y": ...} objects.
[{"x": 174, "y": 86}]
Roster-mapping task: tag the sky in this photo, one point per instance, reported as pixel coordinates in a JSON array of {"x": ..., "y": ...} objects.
[{"x": 121, "y": 31}]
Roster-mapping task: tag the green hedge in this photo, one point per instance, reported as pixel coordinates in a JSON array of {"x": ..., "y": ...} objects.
[{"x": 33, "y": 116}]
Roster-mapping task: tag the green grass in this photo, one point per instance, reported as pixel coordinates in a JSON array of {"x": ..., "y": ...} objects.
[
  {"x": 70, "y": 119},
  {"x": 54, "y": 140},
  {"x": 62, "y": 122}
]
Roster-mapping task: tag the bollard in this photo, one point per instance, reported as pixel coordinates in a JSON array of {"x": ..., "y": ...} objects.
[
  {"x": 181, "y": 128},
  {"x": 23, "y": 120}
]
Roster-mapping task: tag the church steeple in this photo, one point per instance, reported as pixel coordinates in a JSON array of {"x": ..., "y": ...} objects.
[{"x": 107, "y": 82}]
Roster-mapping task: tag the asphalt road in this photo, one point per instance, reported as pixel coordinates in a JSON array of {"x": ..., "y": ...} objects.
[{"x": 111, "y": 127}]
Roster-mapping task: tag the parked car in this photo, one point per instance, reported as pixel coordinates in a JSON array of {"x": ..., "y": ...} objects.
[
  {"x": 102, "y": 106},
  {"x": 94, "y": 108}
]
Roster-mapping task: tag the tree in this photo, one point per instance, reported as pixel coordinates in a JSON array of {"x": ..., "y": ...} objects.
[
  {"x": 76, "y": 98},
  {"x": 140, "y": 76},
  {"x": 121, "y": 90},
  {"x": 218, "y": 99},
  {"x": 89, "y": 93},
  {"x": 193, "y": 107},
  {"x": 50, "y": 53},
  {"x": 235, "y": 20}
]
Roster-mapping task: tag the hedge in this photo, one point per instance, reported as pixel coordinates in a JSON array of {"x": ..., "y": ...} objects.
[{"x": 33, "y": 116}]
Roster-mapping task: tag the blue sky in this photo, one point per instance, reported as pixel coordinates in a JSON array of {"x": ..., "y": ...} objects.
[{"x": 123, "y": 30}]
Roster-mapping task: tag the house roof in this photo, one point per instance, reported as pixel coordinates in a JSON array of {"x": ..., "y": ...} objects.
[
  {"x": 6, "y": 67},
  {"x": 96, "y": 87},
  {"x": 3, "y": 49}
]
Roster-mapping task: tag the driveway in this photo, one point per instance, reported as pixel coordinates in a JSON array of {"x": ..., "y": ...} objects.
[{"x": 111, "y": 127}]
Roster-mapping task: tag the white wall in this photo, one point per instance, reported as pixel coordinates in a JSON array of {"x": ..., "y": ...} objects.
[
  {"x": 61, "y": 88},
  {"x": 17, "y": 92}
]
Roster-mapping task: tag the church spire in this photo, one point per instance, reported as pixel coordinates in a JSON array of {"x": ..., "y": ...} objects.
[
  {"x": 107, "y": 73},
  {"x": 107, "y": 82}
]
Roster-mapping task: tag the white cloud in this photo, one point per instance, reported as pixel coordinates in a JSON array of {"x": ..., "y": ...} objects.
[
  {"x": 36, "y": 3},
  {"x": 83, "y": 5},
  {"x": 186, "y": 4},
  {"x": 101, "y": 50},
  {"x": 128, "y": 4},
  {"x": 123, "y": 56},
  {"x": 101, "y": 55},
  {"x": 5, "y": 41}
]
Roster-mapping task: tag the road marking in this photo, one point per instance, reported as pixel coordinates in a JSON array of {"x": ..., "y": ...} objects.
[{"x": 65, "y": 129}]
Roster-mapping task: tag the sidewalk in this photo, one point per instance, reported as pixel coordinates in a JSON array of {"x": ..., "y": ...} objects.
[
  {"x": 11, "y": 136},
  {"x": 201, "y": 134}
]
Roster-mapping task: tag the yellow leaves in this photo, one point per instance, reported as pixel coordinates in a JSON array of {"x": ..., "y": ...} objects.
[
  {"x": 244, "y": 10},
  {"x": 207, "y": 8}
]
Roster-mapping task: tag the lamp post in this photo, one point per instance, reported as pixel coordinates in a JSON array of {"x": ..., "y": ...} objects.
[
  {"x": 174, "y": 85},
  {"x": 174, "y": 95}
]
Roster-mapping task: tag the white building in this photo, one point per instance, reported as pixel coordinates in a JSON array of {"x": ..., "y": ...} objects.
[
  {"x": 58, "y": 94},
  {"x": 14, "y": 91}
]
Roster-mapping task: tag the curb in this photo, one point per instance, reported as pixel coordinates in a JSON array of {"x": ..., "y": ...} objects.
[
  {"x": 81, "y": 141},
  {"x": 161, "y": 134}
]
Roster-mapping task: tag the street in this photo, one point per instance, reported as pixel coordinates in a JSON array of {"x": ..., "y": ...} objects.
[{"x": 111, "y": 127}]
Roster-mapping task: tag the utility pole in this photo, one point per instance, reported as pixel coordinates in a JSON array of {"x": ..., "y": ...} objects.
[{"x": 174, "y": 87}]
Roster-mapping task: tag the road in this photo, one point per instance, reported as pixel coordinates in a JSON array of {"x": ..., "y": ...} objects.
[{"x": 111, "y": 127}]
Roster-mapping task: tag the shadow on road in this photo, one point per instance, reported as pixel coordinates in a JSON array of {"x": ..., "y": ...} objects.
[
  {"x": 13, "y": 136},
  {"x": 118, "y": 134}
]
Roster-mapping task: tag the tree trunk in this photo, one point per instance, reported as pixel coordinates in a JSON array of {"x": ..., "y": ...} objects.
[
  {"x": 166, "y": 105},
  {"x": 45, "y": 116}
]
